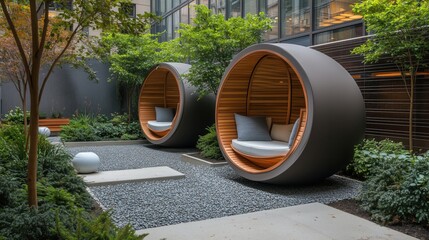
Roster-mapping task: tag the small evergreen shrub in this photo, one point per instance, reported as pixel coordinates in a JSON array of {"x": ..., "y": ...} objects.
[
  {"x": 208, "y": 144},
  {"x": 367, "y": 155},
  {"x": 396, "y": 188}
]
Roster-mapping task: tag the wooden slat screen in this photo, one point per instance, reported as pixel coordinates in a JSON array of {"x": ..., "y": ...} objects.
[{"x": 386, "y": 99}]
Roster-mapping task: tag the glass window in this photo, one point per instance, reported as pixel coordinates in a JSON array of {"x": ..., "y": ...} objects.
[
  {"x": 217, "y": 6},
  {"x": 250, "y": 7},
  {"x": 184, "y": 16},
  {"x": 273, "y": 13},
  {"x": 162, "y": 29},
  {"x": 176, "y": 3},
  {"x": 169, "y": 25},
  {"x": 263, "y": 6},
  {"x": 168, "y": 5},
  {"x": 235, "y": 8},
  {"x": 191, "y": 11},
  {"x": 331, "y": 12},
  {"x": 161, "y": 7},
  {"x": 295, "y": 17},
  {"x": 176, "y": 23},
  {"x": 338, "y": 34},
  {"x": 204, "y": 2}
]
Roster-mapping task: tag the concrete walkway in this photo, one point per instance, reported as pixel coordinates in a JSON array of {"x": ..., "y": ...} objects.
[
  {"x": 308, "y": 221},
  {"x": 131, "y": 175}
]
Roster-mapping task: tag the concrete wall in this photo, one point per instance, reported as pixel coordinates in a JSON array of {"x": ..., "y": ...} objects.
[{"x": 69, "y": 90}]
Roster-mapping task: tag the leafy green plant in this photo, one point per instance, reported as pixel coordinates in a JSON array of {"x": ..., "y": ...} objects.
[
  {"x": 369, "y": 154},
  {"x": 16, "y": 116},
  {"x": 208, "y": 144},
  {"x": 79, "y": 129},
  {"x": 400, "y": 29},
  {"x": 211, "y": 41},
  {"x": 100, "y": 227},
  {"x": 397, "y": 189}
]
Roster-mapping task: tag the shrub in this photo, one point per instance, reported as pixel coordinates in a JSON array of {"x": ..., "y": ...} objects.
[
  {"x": 16, "y": 116},
  {"x": 396, "y": 188},
  {"x": 367, "y": 155},
  {"x": 64, "y": 204},
  {"x": 79, "y": 129},
  {"x": 208, "y": 144}
]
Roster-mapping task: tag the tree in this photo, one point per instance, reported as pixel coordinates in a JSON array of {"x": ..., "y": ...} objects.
[
  {"x": 132, "y": 56},
  {"x": 98, "y": 14},
  {"x": 11, "y": 67},
  {"x": 400, "y": 30},
  {"x": 211, "y": 42}
]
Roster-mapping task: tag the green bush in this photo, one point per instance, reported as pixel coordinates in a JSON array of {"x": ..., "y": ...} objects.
[
  {"x": 208, "y": 144},
  {"x": 64, "y": 204},
  {"x": 86, "y": 128},
  {"x": 396, "y": 188},
  {"x": 367, "y": 156},
  {"x": 16, "y": 116},
  {"x": 79, "y": 129}
]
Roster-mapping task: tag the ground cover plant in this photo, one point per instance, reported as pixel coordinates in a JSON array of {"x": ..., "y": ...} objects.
[
  {"x": 101, "y": 127},
  {"x": 396, "y": 182},
  {"x": 64, "y": 210},
  {"x": 208, "y": 144}
]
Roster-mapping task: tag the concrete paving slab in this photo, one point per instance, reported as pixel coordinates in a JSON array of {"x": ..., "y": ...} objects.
[
  {"x": 308, "y": 221},
  {"x": 191, "y": 158},
  {"x": 131, "y": 175}
]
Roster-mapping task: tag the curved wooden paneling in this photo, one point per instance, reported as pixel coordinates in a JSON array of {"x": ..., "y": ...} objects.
[
  {"x": 285, "y": 82},
  {"x": 165, "y": 87}
]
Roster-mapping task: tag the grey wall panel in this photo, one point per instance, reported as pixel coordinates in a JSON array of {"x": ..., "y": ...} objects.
[{"x": 69, "y": 90}]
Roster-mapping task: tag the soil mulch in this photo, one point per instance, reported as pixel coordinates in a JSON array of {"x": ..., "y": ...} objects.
[{"x": 352, "y": 206}]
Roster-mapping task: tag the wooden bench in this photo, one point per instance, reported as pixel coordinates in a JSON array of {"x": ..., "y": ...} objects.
[{"x": 54, "y": 124}]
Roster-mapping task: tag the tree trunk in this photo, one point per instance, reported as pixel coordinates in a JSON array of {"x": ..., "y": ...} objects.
[
  {"x": 411, "y": 112},
  {"x": 32, "y": 154}
]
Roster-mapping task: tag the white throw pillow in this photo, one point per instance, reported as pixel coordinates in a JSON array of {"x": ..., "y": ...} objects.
[{"x": 281, "y": 132}]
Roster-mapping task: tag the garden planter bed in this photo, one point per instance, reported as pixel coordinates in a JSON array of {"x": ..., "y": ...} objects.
[{"x": 352, "y": 206}]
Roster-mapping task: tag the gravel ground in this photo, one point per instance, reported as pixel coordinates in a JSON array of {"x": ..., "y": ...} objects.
[{"x": 205, "y": 192}]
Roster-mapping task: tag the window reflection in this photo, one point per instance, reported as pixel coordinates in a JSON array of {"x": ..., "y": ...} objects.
[
  {"x": 331, "y": 12},
  {"x": 184, "y": 16},
  {"x": 235, "y": 8},
  {"x": 217, "y": 6},
  {"x": 338, "y": 34},
  {"x": 250, "y": 7},
  {"x": 296, "y": 17},
  {"x": 272, "y": 12}
]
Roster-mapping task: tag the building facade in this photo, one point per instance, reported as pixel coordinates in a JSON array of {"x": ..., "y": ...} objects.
[{"x": 304, "y": 22}]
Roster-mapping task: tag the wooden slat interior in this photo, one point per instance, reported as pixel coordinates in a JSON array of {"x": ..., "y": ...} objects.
[
  {"x": 160, "y": 89},
  {"x": 257, "y": 85}
]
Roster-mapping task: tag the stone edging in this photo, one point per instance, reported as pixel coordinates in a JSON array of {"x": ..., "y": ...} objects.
[
  {"x": 105, "y": 143},
  {"x": 186, "y": 157}
]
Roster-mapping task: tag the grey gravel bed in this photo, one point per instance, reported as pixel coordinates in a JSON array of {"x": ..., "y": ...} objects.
[{"x": 204, "y": 193}]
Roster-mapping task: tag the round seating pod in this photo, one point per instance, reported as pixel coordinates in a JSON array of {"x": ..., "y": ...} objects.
[
  {"x": 170, "y": 112},
  {"x": 292, "y": 86}
]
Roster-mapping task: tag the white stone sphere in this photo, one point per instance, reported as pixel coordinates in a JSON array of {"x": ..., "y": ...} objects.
[
  {"x": 45, "y": 131},
  {"x": 86, "y": 162}
]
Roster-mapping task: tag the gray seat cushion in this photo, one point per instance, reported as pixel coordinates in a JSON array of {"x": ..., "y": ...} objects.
[
  {"x": 158, "y": 126},
  {"x": 164, "y": 114},
  {"x": 252, "y": 128},
  {"x": 261, "y": 148},
  {"x": 294, "y": 132}
]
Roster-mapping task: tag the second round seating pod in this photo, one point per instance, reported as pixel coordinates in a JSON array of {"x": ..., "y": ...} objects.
[
  {"x": 288, "y": 82},
  {"x": 165, "y": 88}
]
